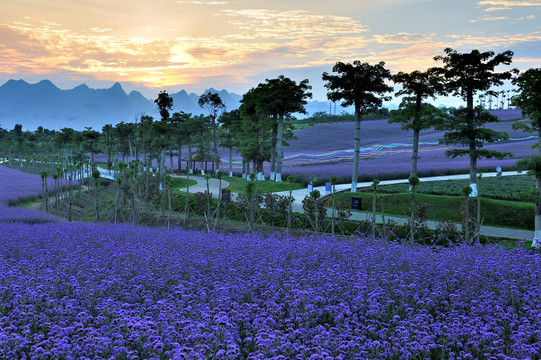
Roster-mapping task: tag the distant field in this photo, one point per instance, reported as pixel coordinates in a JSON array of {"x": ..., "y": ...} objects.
[{"x": 326, "y": 150}]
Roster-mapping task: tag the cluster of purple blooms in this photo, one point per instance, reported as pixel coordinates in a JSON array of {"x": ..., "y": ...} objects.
[
  {"x": 98, "y": 291},
  {"x": 101, "y": 291}
]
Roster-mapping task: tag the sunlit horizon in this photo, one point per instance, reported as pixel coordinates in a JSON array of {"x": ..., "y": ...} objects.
[{"x": 152, "y": 45}]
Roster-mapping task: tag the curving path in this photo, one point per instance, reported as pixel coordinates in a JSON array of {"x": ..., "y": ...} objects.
[
  {"x": 300, "y": 194},
  {"x": 201, "y": 186}
]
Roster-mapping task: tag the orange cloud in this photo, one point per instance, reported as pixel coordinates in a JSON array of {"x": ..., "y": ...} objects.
[
  {"x": 493, "y": 18},
  {"x": 507, "y": 4},
  {"x": 292, "y": 24},
  {"x": 403, "y": 38}
]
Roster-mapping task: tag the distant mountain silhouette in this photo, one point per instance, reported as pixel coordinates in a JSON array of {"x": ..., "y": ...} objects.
[{"x": 44, "y": 104}]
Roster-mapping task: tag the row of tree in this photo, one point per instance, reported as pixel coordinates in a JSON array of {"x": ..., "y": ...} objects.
[{"x": 260, "y": 128}]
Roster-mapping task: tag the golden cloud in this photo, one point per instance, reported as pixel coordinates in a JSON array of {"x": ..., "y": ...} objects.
[
  {"x": 487, "y": 18},
  {"x": 202, "y": 2},
  {"x": 292, "y": 24},
  {"x": 404, "y": 38},
  {"x": 495, "y": 5}
]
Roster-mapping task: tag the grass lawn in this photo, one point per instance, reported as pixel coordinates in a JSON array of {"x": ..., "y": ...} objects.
[
  {"x": 501, "y": 213},
  {"x": 181, "y": 183},
  {"x": 505, "y": 188},
  {"x": 237, "y": 185}
]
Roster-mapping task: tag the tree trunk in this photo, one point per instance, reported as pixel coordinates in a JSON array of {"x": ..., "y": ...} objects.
[
  {"x": 134, "y": 207},
  {"x": 415, "y": 152},
  {"x": 117, "y": 202},
  {"x": 537, "y": 235},
  {"x": 317, "y": 215},
  {"x": 478, "y": 222},
  {"x": 179, "y": 161},
  {"x": 169, "y": 203},
  {"x": 384, "y": 231},
  {"x": 189, "y": 149},
  {"x": 230, "y": 161},
  {"x": 412, "y": 215},
  {"x": 279, "y": 149},
  {"x": 333, "y": 214},
  {"x": 467, "y": 219},
  {"x": 355, "y": 175},
  {"x": 473, "y": 164},
  {"x": 472, "y": 147},
  {"x": 70, "y": 197},
  {"x": 252, "y": 213},
  {"x": 374, "y": 208},
  {"x": 215, "y": 143},
  {"x": 273, "y": 152},
  {"x": 187, "y": 207},
  {"x": 536, "y": 243},
  {"x": 161, "y": 166},
  {"x": 97, "y": 204},
  {"x": 260, "y": 175},
  {"x": 290, "y": 209}
]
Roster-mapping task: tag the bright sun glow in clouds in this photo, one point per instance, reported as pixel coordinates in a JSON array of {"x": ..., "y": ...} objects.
[{"x": 234, "y": 45}]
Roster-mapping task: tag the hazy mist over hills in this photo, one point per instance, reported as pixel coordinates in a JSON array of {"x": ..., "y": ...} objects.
[{"x": 44, "y": 104}]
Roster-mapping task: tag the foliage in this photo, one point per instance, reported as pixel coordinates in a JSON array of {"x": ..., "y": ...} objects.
[
  {"x": 359, "y": 84},
  {"x": 467, "y": 128},
  {"x": 363, "y": 86},
  {"x": 467, "y": 73},
  {"x": 446, "y": 234},
  {"x": 309, "y": 208},
  {"x": 529, "y": 95}
]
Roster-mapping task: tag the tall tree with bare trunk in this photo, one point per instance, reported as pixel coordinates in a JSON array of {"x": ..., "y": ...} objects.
[{"x": 363, "y": 86}]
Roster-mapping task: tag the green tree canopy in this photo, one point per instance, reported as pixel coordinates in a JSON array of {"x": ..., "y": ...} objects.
[{"x": 363, "y": 86}]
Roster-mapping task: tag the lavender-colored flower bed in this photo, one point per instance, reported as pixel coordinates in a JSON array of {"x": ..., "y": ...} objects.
[
  {"x": 16, "y": 185},
  {"x": 101, "y": 291}
]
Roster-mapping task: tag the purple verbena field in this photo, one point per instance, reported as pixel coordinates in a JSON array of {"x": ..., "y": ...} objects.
[
  {"x": 15, "y": 185},
  {"x": 101, "y": 291}
]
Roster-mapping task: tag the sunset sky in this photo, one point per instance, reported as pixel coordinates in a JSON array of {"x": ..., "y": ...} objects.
[{"x": 235, "y": 44}]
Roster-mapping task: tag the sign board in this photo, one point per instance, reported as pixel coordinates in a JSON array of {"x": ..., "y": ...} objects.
[
  {"x": 473, "y": 190},
  {"x": 226, "y": 195},
  {"x": 310, "y": 188},
  {"x": 328, "y": 188},
  {"x": 356, "y": 203}
]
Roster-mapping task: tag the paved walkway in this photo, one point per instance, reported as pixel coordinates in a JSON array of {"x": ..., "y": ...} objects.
[
  {"x": 201, "y": 186},
  {"x": 299, "y": 195}
]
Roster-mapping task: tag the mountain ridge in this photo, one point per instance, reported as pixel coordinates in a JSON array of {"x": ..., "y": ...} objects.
[{"x": 44, "y": 104}]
